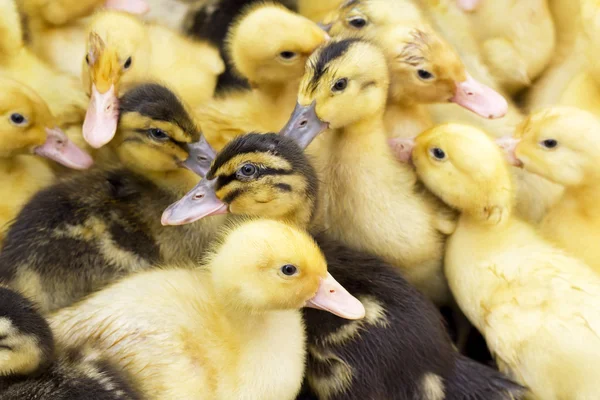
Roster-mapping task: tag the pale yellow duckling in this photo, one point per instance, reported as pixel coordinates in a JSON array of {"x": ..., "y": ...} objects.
[
  {"x": 562, "y": 145},
  {"x": 122, "y": 50},
  {"x": 230, "y": 330},
  {"x": 268, "y": 45},
  {"x": 28, "y": 127},
  {"x": 370, "y": 201},
  {"x": 538, "y": 309}
]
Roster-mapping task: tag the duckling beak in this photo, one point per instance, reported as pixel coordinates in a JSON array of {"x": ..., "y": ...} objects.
[
  {"x": 130, "y": 6},
  {"x": 481, "y": 99},
  {"x": 325, "y": 27},
  {"x": 304, "y": 125},
  {"x": 101, "y": 118},
  {"x": 201, "y": 156},
  {"x": 59, "y": 148},
  {"x": 509, "y": 145},
  {"x": 468, "y": 5},
  {"x": 402, "y": 148},
  {"x": 332, "y": 297},
  {"x": 198, "y": 203}
]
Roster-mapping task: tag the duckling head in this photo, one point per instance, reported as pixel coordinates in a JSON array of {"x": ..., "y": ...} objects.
[
  {"x": 345, "y": 83},
  {"x": 464, "y": 167},
  {"x": 157, "y": 134},
  {"x": 118, "y": 53},
  {"x": 260, "y": 175},
  {"x": 27, "y": 126},
  {"x": 266, "y": 265},
  {"x": 558, "y": 143},
  {"x": 270, "y": 44},
  {"x": 424, "y": 68}
]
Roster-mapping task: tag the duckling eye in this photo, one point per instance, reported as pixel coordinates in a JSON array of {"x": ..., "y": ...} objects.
[
  {"x": 424, "y": 74},
  {"x": 340, "y": 85},
  {"x": 289, "y": 270},
  {"x": 247, "y": 171},
  {"x": 549, "y": 143},
  {"x": 18, "y": 119},
  {"x": 87, "y": 59},
  {"x": 357, "y": 22},
  {"x": 158, "y": 134},
  {"x": 127, "y": 64},
  {"x": 438, "y": 153},
  {"x": 287, "y": 55}
]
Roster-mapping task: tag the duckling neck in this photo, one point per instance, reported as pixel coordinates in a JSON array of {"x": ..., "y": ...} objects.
[
  {"x": 364, "y": 128},
  {"x": 585, "y": 196},
  {"x": 278, "y": 90},
  {"x": 7, "y": 164}
]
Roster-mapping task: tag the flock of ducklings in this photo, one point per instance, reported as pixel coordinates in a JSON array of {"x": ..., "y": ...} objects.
[{"x": 302, "y": 199}]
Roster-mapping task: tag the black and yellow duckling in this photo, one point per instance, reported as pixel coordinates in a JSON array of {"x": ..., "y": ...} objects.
[
  {"x": 400, "y": 350},
  {"x": 78, "y": 235},
  {"x": 29, "y": 369}
]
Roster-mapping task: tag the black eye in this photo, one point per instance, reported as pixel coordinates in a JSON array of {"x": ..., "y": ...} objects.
[
  {"x": 87, "y": 59},
  {"x": 340, "y": 85},
  {"x": 549, "y": 143},
  {"x": 357, "y": 22},
  {"x": 289, "y": 270},
  {"x": 127, "y": 63},
  {"x": 287, "y": 55},
  {"x": 18, "y": 119},
  {"x": 247, "y": 170},
  {"x": 438, "y": 153},
  {"x": 423, "y": 74},
  {"x": 158, "y": 134}
]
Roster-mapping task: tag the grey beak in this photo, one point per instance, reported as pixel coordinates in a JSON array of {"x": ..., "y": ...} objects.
[
  {"x": 325, "y": 27},
  {"x": 304, "y": 125},
  {"x": 198, "y": 203},
  {"x": 201, "y": 156}
]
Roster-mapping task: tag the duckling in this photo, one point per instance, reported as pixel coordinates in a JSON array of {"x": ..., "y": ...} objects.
[
  {"x": 28, "y": 127},
  {"x": 424, "y": 68},
  {"x": 240, "y": 311},
  {"x": 516, "y": 38},
  {"x": 62, "y": 93},
  {"x": 31, "y": 368},
  {"x": 559, "y": 144},
  {"x": 528, "y": 299},
  {"x": 105, "y": 223},
  {"x": 401, "y": 349},
  {"x": 122, "y": 50},
  {"x": 269, "y": 46},
  {"x": 345, "y": 88}
]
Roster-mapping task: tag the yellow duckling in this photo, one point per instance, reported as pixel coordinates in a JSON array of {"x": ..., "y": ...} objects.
[
  {"x": 63, "y": 94},
  {"x": 538, "y": 309},
  {"x": 268, "y": 45},
  {"x": 424, "y": 68},
  {"x": 122, "y": 50},
  {"x": 231, "y": 330},
  {"x": 561, "y": 144},
  {"x": 28, "y": 127},
  {"x": 370, "y": 202}
]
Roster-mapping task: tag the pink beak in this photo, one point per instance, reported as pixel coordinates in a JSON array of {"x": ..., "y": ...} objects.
[
  {"x": 402, "y": 148},
  {"x": 480, "y": 99},
  {"x": 59, "y": 148},
  {"x": 332, "y": 297},
  {"x": 130, "y": 6},
  {"x": 101, "y": 118},
  {"x": 468, "y": 5},
  {"x": 509, "y": 145}
]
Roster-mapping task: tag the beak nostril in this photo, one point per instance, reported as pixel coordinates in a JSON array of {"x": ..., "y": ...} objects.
[
  {"x": 331, "y": 290},
  {"x": 303, "y": 122},
  {"x": 198, "y": 196}
]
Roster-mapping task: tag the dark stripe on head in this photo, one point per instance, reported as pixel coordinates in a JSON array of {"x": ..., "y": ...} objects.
[
  {"x": 157, "y": 102},
  {"x": 234, "y": 194},
  {"x": 284, "y": 187},
  {"x": 331, "y": 52}
]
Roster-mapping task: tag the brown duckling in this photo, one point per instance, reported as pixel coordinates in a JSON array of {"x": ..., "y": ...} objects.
[{"x": 86, "y": 231}]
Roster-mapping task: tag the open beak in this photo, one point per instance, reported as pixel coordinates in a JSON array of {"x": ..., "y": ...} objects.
[
  {"x": 509, "y": 145},
  {"x": 402, "y": 148},
  {"x": 59, "y": 148},
  {"x": 131, "y": 6},
  {"x": 201, "y": 156},
  {"x": 304, "y": 125},
  {"x": 481, "y": 99},
  {"x": 198, "y": 203},
  {"x": 332, "y": 297},
  {"x": 468, "y": 5},
  {"x": 101, "y": 118}
]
